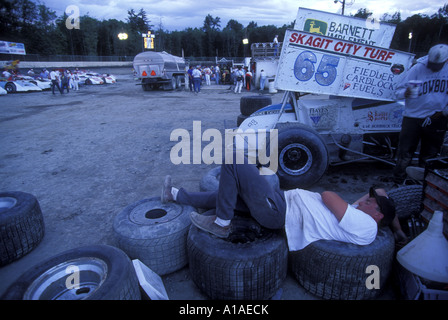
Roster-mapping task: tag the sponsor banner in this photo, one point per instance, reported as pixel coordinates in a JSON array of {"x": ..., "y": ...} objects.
[
  {"x": 366, "y": 31},
  {"x": 317, "y": 64},
  {"x": 12, "y": 47}
]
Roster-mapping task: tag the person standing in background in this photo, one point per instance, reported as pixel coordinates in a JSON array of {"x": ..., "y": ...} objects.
[{"x": 425, "y": 113}]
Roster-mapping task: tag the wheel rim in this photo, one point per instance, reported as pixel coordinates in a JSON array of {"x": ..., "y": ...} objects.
[
  {"x": 71, "y": 280},
  {"x": 151, "y": 212},
  {"x": 7, "y": 203},
  {"x": 295, "y": 159}
]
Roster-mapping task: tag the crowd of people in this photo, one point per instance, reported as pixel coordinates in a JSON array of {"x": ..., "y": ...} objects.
[
  {"x": 237, "y": 77},
  {"x": 63, "y": 80},
  {"x": 60, "y": 79}
]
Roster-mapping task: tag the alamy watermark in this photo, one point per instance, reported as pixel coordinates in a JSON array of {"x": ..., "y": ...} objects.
[
  {"x": 72, "y": 21},
  {"x": 373, "y": 280},
  {"x": 73, "y": 278},
  {"x": 236, "y": 147}
]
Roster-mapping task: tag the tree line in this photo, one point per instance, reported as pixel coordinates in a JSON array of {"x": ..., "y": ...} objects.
[{"x": 43, "y": 32}]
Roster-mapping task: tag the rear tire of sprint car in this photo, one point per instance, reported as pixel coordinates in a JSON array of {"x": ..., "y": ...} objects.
[
  {"x": 249, "y": 265},
  {"x": 21, "y": 225},
  {"x": 338, "y": 271},
  {"x": 154, "y": 233},
  {"x": 302, "y": 156},
  {"x": 250, "y": 104},
  {"x": 103, "y": 273}
]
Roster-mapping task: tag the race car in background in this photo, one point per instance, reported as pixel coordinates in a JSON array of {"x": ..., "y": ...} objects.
[
  {"x": 90, "y": 78},
  {"x": 44, "y": 84},
  {"x": 16, "y": 85}
]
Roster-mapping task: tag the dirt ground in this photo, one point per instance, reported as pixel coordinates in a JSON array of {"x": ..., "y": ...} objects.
[{"x": 87, "y": 155}]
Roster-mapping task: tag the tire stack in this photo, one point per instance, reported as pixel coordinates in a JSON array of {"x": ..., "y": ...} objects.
[
  {"x": 251, "y": 264},
  {"x": 21, "y": 225},
  {"x": 250, "y": 104},
  {"x": 334, "y": 270},
  {"x": 154, "y": 233}
]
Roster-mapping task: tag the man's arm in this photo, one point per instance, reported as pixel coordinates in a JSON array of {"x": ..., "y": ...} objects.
[{"x": 335, "y": 203}]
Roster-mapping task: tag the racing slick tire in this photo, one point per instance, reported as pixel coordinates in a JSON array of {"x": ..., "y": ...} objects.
[
  {"x": 98, "y": 272},
  {"x": 21, "y": 225},
  {"x": 154, "y": 233},
  {"x": 408, "y": 200},
  {"x": 303, "y": 156},
  {"x": 250, "y": 104},
  {"x": 251, "y": 264},
  {"x": 335, "y": 270}
]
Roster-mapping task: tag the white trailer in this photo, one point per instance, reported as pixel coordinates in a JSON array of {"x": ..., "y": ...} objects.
[{"x": 159, "y": 69}]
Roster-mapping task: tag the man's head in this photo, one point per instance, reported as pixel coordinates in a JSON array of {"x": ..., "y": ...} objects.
[
  {"x": 380, "y": 208},
  {"x": 437, "y": 56}
]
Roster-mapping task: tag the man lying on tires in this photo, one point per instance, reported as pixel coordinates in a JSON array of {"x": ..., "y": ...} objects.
[{"x": 306, "y": 216}]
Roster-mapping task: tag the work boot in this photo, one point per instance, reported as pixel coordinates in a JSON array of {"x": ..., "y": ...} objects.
[
  {"x": 207, "y": 223},
  {"x": 166, "y": 190}
]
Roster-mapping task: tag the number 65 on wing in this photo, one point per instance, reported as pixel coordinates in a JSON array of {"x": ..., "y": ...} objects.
[{"x": 318, "y": 64}]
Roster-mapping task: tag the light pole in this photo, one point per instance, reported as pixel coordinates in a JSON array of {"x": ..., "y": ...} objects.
[
  {"x": 122, "y": 36},
  {"x": 410, "y": 41},
  {"x": 245, "y": 43},
  {"x": 343, "y": 4}
]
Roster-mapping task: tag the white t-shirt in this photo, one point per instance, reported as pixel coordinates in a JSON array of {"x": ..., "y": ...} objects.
[{"x": 308, "y": 219}]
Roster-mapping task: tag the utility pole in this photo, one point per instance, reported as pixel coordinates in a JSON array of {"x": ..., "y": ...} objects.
[{"x": 343, "y": 4}]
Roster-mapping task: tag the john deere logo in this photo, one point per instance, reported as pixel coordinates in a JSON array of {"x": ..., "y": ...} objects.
[{"x": 315, "y": 26}]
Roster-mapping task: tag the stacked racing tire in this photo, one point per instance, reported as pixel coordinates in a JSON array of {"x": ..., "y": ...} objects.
[
  {"x": 250, "y": 264},
  {"x": 21, "y": 225},
  {"x": 336, "y": 270},
  {"x": 154, "y": 233}
]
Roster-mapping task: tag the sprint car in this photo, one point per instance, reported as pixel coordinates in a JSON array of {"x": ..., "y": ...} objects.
[
  {"x": 44, "y": 84},
  {"x": 315, "y": 131},
  {"x": 15, "y": 85}
]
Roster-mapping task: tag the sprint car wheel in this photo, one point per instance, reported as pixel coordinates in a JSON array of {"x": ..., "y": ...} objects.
[
  {"x": 154, "y": 233},
  {"x": 97, "y": 272},
  {"x": 303, "y": 156},
  {"x": 249, "y": 265},
  {"x": 21, "y": 225}
]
